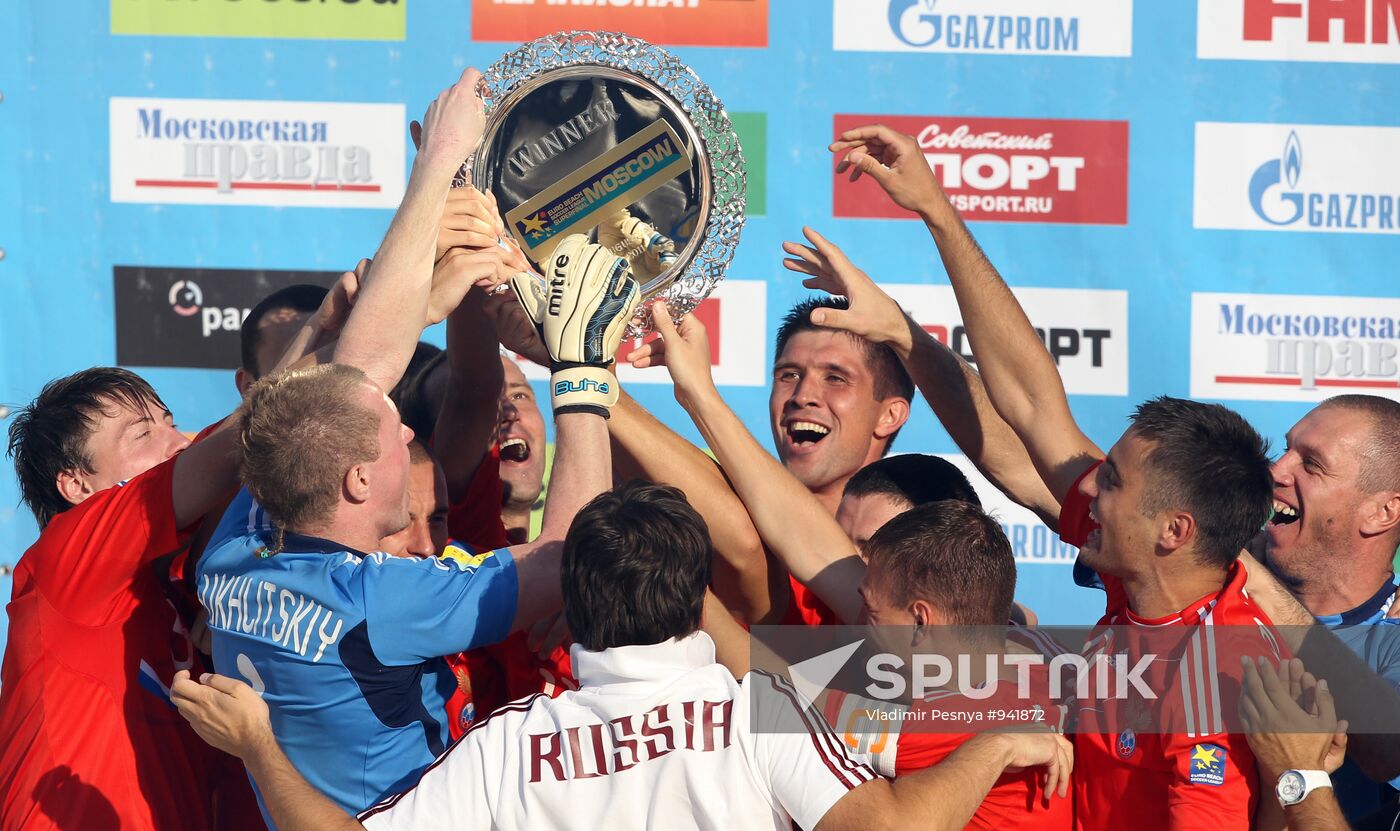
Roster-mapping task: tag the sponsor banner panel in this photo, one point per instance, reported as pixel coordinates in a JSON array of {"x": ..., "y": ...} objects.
[
  {"x": 341, "y": 19},
  {"x": 1283, "y": 347},
  {"x": 279, "y": 153},
  {"x": 1347, "y": 31},
  {"x": 1009, "y": 27},
  {"x": 1031, "y": 541},
  {"x": 1006, "y": 169},
  {"x": 1297, "y": 177},
  {"x": 1086, "y": 330},
  {"x": 663, "y": 22},
  {"x": 734, "y": 320},
  {"x": 191, "y": 317},
  {"x": 753, "y": 137}
]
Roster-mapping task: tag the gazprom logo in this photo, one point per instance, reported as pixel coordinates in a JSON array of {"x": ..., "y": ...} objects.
[
  {"x": 1272, "y": 173},
  {"x": 980, "y": 32}
]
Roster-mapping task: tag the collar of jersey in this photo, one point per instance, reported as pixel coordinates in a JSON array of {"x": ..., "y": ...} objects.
[
  {"x": 302, "y": 544},
  {"x": 652, "y": 663},
  {"x": 1372, "y": 611},
  {"x": 1197, "y": 611}
]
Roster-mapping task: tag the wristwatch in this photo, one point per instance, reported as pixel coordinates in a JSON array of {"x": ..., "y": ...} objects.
[{"x": 1295, "y": 785}]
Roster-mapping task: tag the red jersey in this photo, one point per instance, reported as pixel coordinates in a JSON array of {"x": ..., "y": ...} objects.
[
  {"x": 91, "y": 739},
  {"x": 491, "y": 676},
  {"x": 927, "y": 732},
  {"x": 806, "y": 609},
  {"x": 1199, "y": 777}
]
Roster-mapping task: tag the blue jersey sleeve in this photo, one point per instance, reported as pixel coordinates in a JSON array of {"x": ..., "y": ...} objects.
[{"x": 419, "y": 609}]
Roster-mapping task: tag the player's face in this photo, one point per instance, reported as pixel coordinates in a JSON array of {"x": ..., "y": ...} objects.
[
  {"x": 426, "y": 534},
  {"x": 124, "y": 444},
  {"x": 861, "y": 516},
  {"x": 276, "y": 330},
  {"x": 520, "y": 435},
  {"x": 1317, "y": 502},
  {"x": 389, "y": 473},
  {"x": 1125, "y": 534},
  {"x": 827, "y": 423}
]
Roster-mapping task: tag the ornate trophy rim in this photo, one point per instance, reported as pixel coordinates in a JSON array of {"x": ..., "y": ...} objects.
[{"x": 716, "y": 145}]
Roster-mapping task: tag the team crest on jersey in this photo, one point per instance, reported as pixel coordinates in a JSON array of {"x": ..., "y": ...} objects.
[
  {"x": 1208, "y": 765},
  {"x": 464, "y": 558},
  {"x": 1127, "y": 744}
]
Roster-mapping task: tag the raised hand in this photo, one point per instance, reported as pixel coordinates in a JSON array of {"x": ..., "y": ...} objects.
[
  {"x": 872, "y": 315},
  {"x": 892, "y": 159},
  {"x": 453, "y": 124},
  {"x": 683, "y": 349},
  {"x": 457, "y": 272},
  {"x": 581, "y": 314},
  {"x": 468, "y": 221},
  {"x": 335, "y": 309},
  {"x": 225, "y": 712}
]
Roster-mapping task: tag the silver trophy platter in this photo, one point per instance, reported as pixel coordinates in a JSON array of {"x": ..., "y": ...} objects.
[{"x": 603, "y": 134}]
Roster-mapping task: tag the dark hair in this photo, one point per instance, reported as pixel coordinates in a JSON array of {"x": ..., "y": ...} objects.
[
  {"x": 915, "y": 478},
  {"x": 1380, "y": 456},
  {"x": 636, "y": 564},
  {"x": 952, "y": 555},
  {"x": 1208, "y": 461},
  {"x": 891, "y": 379},
  {"x": 410, "y": 394},
  {"x": 50, "y": 435},
  {"x": 301, "y": 297}
]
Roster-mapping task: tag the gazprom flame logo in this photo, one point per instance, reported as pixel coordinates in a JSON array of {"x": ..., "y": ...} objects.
[
  {"x": 896, "y": 13},
  {"x": 1277, "y": 173},
  {"x": 186, "y": 298}
]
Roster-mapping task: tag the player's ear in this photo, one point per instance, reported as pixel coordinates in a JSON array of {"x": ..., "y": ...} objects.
[
  {"x": 1380, "y": 514},
  {"x": 894, "y": 411},
  {"x": 1178, "y": 529},
  {"x": 243, "y": 379},
  {"x": 356, "y": 483},
  {"x": 72, "y": 486}
]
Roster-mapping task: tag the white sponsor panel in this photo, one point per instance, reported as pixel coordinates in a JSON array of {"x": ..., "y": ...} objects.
[
  {"x": 1086, "y": 330},
  {"x": 1350, "y": 31},
  {"x": 1297, "y": 177},
  {"x": 734, "y": 320},
  {"x": 1287, "y": 347},
  {"x": 281, "y": 153},
  {"x": 1031, "y": 540},
  {"x": 1101, "y": 28}
]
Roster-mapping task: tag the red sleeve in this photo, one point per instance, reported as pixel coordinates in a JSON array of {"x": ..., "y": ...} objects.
[
  {"x": 806, "y": 609},
  {"x": 1075, "y": 523},
  {"x": 85, "y": 559},
  {"x": 1214, "y": 783},
  {"x": 476, "y": 519}
]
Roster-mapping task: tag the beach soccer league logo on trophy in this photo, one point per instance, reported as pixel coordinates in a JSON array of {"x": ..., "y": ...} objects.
[{"x": 603, "y": 134}]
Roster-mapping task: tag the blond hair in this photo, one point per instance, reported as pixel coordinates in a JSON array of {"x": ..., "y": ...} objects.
[{"x": 299, "y": 432}]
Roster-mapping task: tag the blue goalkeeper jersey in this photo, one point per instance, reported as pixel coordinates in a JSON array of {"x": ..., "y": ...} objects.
[{"x": 346, "y": 647}]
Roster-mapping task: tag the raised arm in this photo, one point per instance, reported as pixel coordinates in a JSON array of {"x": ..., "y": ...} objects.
[
  {"x": 1020, "y": 376},
  {"x": 580, "y": 320},
  {"x": 949, "y": 384},
  {"x": 646, "y": 448},
  {"x": 792, "y": 523},
  {"x": 470, "y": 409},
  {"x": 393, "y": 300}
]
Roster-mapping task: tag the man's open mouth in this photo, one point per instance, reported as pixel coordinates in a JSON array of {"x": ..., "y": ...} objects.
[
  {"x": 515, "y": 449},
  {"x": 805, "y": 433},
  {"x": 1284, "y": 514}
]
